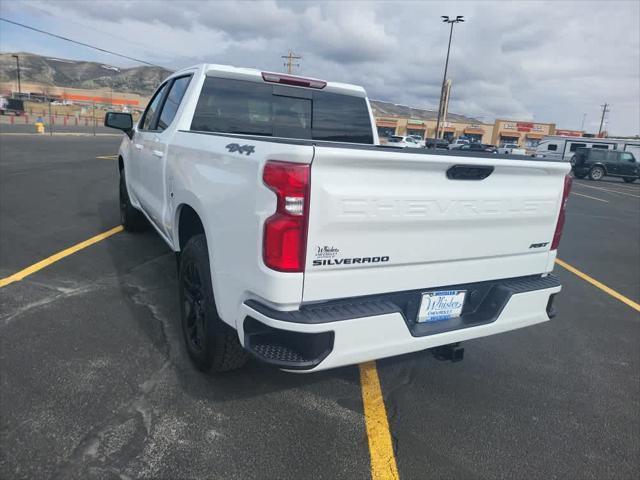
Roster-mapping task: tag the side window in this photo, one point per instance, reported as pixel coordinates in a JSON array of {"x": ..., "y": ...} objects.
[
  {"x": 628, "y": 157},
  {"x": 152, "y": 108},
  {"x": 612, "y": 156},
  {"x": 575, "y": 146},
  {"x": 600, "y": 146},
  {"x": 171, "y": 104},
  {"x": 552, "y": 147}
]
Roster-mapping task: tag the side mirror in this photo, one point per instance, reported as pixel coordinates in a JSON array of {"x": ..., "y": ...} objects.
[{"x": 119, "y": 121}]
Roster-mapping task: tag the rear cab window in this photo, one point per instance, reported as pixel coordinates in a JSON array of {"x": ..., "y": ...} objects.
[{"x": 254, "y": 108}]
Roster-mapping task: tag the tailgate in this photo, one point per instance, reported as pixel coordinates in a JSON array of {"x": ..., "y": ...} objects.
[{"x": 384, "y": 221}]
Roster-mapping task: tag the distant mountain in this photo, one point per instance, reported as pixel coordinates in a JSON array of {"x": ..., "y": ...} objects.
[
  {"x": 388, "y": 109},
  {"x": 63, "y": 72}
]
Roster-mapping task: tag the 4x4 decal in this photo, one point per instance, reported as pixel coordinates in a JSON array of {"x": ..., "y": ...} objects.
[{"x": 235, "y": 147}]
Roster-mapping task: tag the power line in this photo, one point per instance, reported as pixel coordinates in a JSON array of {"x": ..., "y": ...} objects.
[{"x": 80, "y": 43}]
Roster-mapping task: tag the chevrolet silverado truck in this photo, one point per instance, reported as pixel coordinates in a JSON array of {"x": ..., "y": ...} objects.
[{"x": 303, "y": 242}]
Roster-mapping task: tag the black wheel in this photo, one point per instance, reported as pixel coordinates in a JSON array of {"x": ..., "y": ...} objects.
[
  {"x": 596, "y": 173},
  {"x": 131, "y": 218},
  {"x": 211, "y": 343},
  {"x": 629, "y": 179}
]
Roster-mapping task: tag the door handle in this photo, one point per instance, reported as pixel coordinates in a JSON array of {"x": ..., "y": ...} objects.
[
  {"x": 158, "y": 153},
  {"x": 138, "y": 146}
]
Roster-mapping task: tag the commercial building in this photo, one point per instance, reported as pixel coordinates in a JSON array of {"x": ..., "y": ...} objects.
[
  {"x": 392, "y": 119},
  {"x": 525, "y": 134}
]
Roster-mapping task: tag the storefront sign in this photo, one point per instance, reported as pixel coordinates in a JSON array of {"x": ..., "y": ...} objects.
[{"x": 569, "y": 133}]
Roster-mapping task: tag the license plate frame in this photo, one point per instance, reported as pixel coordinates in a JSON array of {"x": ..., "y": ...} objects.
[{"x": 441, "y": 305}]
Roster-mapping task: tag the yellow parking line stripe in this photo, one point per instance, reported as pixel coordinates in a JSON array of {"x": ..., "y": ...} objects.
[
  {"x": 588, "y": 196},
  {"x": 107, "y": 157},
  {"x": 383, "y": 460},
  {"x": 599, "y": 285},
  {"x": 58, "y": 256},
  {"x": 607, "y": 190}
]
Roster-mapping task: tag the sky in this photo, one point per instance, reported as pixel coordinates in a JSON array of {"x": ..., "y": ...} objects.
[{"x": 523, "y": 60}]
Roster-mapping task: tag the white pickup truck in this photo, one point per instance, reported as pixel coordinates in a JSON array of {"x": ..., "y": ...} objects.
[
  {"x": 303, "y": 242},
  {"x": 511, "y": 149}
]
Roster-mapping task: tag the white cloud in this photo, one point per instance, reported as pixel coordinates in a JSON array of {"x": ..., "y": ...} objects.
[{"x": 548, "y": 61}]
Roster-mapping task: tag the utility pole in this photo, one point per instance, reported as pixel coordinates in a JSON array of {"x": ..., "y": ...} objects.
[
  {"x": 445, "y": 103},
  {"x": 605, "y": 109},
  {"x": 289, "y": 61},
  {"x": 18, "y": 68},
  {"x": 584, "y": 117},
  {"x": 446, "y": 19}
]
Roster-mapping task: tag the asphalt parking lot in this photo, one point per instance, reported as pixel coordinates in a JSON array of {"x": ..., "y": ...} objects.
[{"x": 95, "y": 382}]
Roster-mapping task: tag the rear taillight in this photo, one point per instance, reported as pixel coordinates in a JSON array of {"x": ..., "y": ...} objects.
[
  {"x": 563, "y": 207},
  {"x": 285, "y": 232}
]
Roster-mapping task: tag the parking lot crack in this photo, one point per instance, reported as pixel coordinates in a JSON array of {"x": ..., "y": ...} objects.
[
  {"x": 137, "y": 295},
  {"x": 44, "y": 302},
  {"x": 127, "y": 430}
]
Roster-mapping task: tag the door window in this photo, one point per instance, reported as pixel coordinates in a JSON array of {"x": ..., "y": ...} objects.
[
  {"x": 600, "y": 146},
  {"x": 628, "y": 157},
  {"x": 172, "y": 102},
  {"x": 148, "y": 118}
]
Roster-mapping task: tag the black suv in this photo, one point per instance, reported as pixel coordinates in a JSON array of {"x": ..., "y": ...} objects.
[
  {"x": 479, "y": 147},
  {"x": 436, "y": 143},
  {"x": 599, "y": 163}
]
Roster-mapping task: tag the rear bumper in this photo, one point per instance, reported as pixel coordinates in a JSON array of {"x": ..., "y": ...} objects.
[{"x": 333, "y": 334}]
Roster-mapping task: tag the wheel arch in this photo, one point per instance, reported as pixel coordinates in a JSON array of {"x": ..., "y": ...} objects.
[{"x": 188, "y": 224}]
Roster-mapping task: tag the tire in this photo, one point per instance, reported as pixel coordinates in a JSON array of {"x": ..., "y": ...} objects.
[
  {"x": 212, "y": 345},
  {"x": 131, "y": 218},
  {"x": 596, "y": 173},
  {"x": 629, "y": 179}
]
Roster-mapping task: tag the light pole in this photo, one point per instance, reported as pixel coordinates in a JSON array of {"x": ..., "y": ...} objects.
[
  {"x": 18, "y": 67},
  {"x": 446, "y": 19}
]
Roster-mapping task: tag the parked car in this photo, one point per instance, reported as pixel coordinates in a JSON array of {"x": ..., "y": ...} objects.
[
  {"x": 402, "y": 142},
  {"x": 554, "y": 147},
  {"x": 304, "y": 243},
  {"x": 598, "y": 164},
  {"x": 11, "y": 105},
  {"x": 512, "y": 149},
  {"x": 479, "y": 147},
  {"x": 457, "y": 143},
  {"x": 419, "y": 140},
  {"x": 440, "y": 143}
]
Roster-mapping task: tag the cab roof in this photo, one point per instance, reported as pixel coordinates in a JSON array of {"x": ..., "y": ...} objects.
[{"x": 254, "y": 75}]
